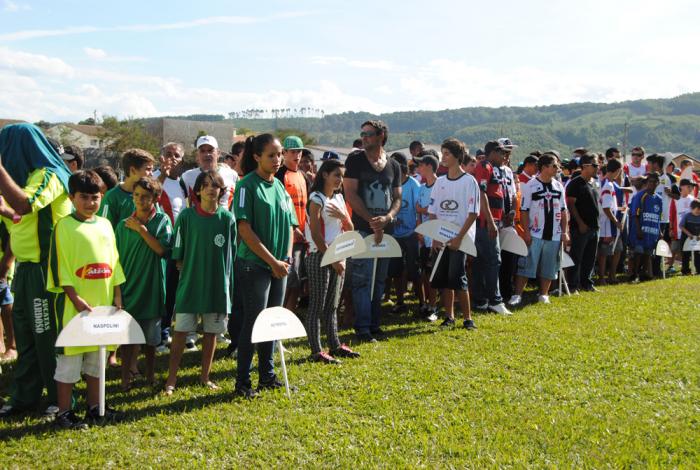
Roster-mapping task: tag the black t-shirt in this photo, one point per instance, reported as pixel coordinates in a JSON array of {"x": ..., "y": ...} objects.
[
  {"x": 586, "y": 202},
  {"x": 373, "y": 187}
]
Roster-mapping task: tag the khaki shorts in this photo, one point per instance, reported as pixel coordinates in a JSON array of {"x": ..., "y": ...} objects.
[
  {"x": 68, "y": 368},
  {"x": 211, "y": 322}
]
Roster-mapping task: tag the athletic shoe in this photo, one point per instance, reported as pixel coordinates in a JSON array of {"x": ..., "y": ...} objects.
[
  {"x": 111, "y": 415},
  {"x": 273, "y": 384},
  {"x": 231, "y": 352},
  {"x": 69, "y": 420},
  {"x": 399, "y": 308},
  {"x": 671, "y": 270},
  {"x": 324, "y": 357},
  {"x": 543, "y": 299},
  {"x": 590, "y": 289},
  {"x": 483, "y": 306},
  {"x": 515, "y": 300},
  {"x": 8, "y": 410},
  {"x": 50, "y": 412},
  {"x": 190, "y": 346},
  {"x": 388, "y": 303},
  {"x": 221, "y": 339},
  {"x": 245, "y": 392},
  {"x": 365, "y": 338},
  {"x": 378, "y": 333},
  {"x": 447, "y": 323},
  {"x": 469, "y": 324},
  {"x": 345, "y": 351},
  {"x": 162, "y": 349},
  {"x": 191, "y": 337},
  {"x": 432, "y": 314},
  {"x": 500, "y": 309}
]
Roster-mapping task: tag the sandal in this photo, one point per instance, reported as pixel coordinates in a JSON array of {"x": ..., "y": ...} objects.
[
  {"x": 169, "y": 389},
  {"x": 210, "y": 385}
]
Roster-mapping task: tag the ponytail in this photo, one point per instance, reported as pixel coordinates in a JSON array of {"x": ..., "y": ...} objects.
[{"x": 254, "y": 145}]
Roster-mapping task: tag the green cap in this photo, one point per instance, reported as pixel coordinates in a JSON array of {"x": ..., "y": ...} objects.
[{"x": 293, "y": 142}]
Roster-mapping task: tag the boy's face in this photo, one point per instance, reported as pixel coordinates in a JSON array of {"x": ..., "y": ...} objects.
[
  {"x": 143, "y": 172},
  {"x": 143, "y": 200},
  {"x": 86, "y": 204},
  {"x": 695, "y": 211},
  {"x": 209, "y": 192},
  {"x": 448, "y": 159},
  {"x": 425, "y": 170},
  {"x": 292, "y": 157},
  {"x": 651, "y": 185},
  {"x": 685, "y": 190}
]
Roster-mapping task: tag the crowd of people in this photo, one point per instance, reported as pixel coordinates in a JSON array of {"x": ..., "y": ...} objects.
[{"x": 202, "y": 252}]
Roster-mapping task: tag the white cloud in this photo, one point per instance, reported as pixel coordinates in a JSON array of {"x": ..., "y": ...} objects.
[
  {"x": 34, "y": 64},
  {"x": 94, "y": 53},
  {"x": 10, "y": 6},
  {"x": 360, "y": 64},
  {"x": 102, "y": 55}
]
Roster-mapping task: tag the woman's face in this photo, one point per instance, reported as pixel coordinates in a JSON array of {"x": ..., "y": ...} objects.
[
  {"x": 271, "y": 159},
  {"x": 335, "y": 178}
]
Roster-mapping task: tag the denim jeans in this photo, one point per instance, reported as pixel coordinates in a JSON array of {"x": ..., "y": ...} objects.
[
  {"x": 486, "y": 269},
  {"x": 583, "y": 253},
  {"x": 258, "y": 291},
  {"x": 367, "y": 311}
]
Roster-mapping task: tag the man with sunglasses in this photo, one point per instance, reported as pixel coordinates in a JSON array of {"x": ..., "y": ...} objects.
[
  {"x": 582, "y": 202},
  {"x": 373, "y": 189},
  {"x": 636, "y": 169}
]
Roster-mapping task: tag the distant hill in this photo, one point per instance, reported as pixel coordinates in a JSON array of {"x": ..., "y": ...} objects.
[{"x": 659, "y": 125}]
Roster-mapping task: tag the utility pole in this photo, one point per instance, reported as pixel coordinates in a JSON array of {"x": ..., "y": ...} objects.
[{"x": 624, "y": 143}]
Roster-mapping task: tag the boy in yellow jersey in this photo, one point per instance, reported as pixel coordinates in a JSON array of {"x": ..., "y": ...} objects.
[
  {"x": 84, "y": 270},
  {"x": 34, "y": 185}
]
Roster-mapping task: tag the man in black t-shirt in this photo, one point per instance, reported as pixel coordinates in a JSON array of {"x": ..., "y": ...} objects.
[
  {"x": 373, "y": 189},
  {"x": 582, "y": 201}
]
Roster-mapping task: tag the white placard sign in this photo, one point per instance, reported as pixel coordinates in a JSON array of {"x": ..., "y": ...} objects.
[
  {"x": 276, "y": 323},
  {"x": 691, "y": 245},
  {"x": 387, "y": 248},
  {"x": 511, "y": 242},
  {"x": 346, "y": 245},
  {"x": 443, "y": 232},
  {"x": 103, "y": 326},
  {"x": 662, "y": 249}
]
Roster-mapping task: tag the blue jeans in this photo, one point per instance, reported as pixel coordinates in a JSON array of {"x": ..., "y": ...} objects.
[
  {"x": 584, "y": 247},
  {"x": 486, "y": 268},
  {"x": 258, "y": 291},
  {"x": 367, "y": 311}
]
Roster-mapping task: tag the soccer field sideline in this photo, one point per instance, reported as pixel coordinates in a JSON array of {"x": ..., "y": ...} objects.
[{"x": 597, "y": 379}]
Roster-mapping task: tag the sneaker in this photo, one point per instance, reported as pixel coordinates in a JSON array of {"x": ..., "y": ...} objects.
[
  {"x": 671, "y": 270},
  {"x": 50, "y": 412},
  {"x": 515, "y": 300},
  {"x": 399, "y": 308},
  {"x": 345, "y": 351},
  {"x": 432, "y": 315},
  {"x": 111, "y": 415},
  {"x": 590, "y": 289},
  {"x": 469, "y": 324},
  {"x": 191, "y": 337},
  {"x": 387, "y": 303},
  {"x": 324, "y": 357},
  {"x": 190, "y": 346},
  {"x": 8, "y": 410},
  {"x": 378, "y": 334},
  {"x": 500, "y": 309},
  {"x": 273, "y": 384},
  {"x": 447, "y": 323},
  {"x": 245, "y": 392},
  {"x": 554, "y": 292},
  {"x": 543, "y": 299},
  {"x": 69, "y": 420},
  {"x": 483, "y": 306},
  {"x": 231, "y": 352},
  {"x": 162, "y": 349},
  {"x": 221, "y": 339},
  {"x": 365, "y": 338}
]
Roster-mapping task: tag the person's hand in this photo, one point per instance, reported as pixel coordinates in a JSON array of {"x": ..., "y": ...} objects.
[
  {"x": 378, "y": 223},
  {"x": 298, "y": 236},
  {"x": 336, "y": 212},
  {"x": 527, "y": 238},
  {"x": 493, "y": 230},
  {"x": 280, "y": 269},
  {"x": 378, "y": 236},
  {"x": 455, "y": 243},
  {"x": 566, "y": 239},
  {"x": 620, "y": 227},
  {"x": 582, "y": 227},
  {"x": 178, "y": 265},
  {"x": 134, "y": 224},
  {"x": 166, "y": 166},
  {"x": 339, "y": 267},
  {"x": 80, "y": 304},
  {"x": 421, "y": 210}
]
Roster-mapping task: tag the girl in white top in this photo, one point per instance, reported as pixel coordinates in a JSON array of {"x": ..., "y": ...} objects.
[{"x": 327, "y": 218}]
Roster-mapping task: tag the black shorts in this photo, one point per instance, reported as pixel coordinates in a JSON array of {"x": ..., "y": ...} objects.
[
  {"x": 451, "y": 272},
  {"x": 425, "y": 260}
]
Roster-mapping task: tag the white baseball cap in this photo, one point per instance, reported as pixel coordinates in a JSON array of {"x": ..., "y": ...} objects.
[
  {"x": 207, "y": 140},
  {"x": 507, "y": 143}
]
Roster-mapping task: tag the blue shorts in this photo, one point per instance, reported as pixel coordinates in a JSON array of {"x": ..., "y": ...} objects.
[
  {"x": 543, "y": 254},
  {"x": 6, "y": 295}
]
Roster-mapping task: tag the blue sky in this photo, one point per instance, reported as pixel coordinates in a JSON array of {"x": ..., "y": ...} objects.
[{"x": 62, "y": 60}]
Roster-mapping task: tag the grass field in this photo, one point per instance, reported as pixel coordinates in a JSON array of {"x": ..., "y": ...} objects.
[{"x": 596, "y": 380}]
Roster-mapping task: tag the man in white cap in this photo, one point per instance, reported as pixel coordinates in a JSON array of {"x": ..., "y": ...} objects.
[{"x": 208, "y": 159}]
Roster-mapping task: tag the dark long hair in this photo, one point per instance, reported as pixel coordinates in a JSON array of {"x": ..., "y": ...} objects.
[
  {"x": 328, "y": 167},
  {"x": 254, "y": 145}
]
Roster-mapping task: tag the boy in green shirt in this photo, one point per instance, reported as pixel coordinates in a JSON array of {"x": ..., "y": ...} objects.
[
  {"x": 83, "y": 269},
  {"x": 118, "y": 203},
  {"x": 204, "y": 248},
  {"x": 144, "y": 242}
]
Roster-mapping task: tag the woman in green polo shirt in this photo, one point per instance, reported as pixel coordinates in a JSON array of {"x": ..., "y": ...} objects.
[{"x": 266, "y": 220}]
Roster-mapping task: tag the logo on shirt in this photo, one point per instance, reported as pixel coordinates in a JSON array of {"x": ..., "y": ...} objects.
[
  {"x": 95, "y": 271},
  {"x": 449, "y": 205},
  {"x": 219, "y": 240}
]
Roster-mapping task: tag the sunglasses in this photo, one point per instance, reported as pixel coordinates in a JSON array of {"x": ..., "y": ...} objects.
[{"x": 369, "y": 133}]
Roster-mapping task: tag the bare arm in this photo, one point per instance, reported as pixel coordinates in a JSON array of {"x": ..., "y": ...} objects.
[
  {"x": 13, "y": 194},
  {"x": 315, "y": 227},
  {"x": 134, "y": 224},
  {"x": 6, "y": 262},
  {"x": 358, "y": 207}
]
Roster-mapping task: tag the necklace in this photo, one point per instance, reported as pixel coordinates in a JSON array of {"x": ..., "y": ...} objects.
[{"x": 379, "y": 164}]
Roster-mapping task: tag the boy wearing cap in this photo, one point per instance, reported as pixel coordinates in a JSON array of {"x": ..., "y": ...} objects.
[
  {"x": 427, "y": 166},
  {"x": 73, "y": 157},
  {"x": 682, "y": 207},
  {"x": 297, "y": 186},
  {"x": 207, "y": 159},
  {"x": 118, "y": 202}
]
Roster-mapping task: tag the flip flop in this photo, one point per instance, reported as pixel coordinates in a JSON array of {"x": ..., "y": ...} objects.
[{"x": 210, "y": 385}]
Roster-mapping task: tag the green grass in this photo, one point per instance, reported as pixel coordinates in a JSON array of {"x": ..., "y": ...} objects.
[{"x": 596, "y": 380}]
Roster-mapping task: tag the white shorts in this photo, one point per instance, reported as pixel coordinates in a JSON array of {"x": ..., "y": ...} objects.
[{"x": 68, "y": 368}]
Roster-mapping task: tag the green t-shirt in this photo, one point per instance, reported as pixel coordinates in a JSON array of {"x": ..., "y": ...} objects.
[
  {"x": 143, "y": 293},
  {"x": 206, "y": 245},
  {"x": 117, "y": 205},
  {"x": 30, "y": 238},
  {"x": 267, "y": 207},
  {"x": 83, "y": 255}
]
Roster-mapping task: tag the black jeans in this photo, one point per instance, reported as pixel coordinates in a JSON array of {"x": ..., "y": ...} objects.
[
  {"x": 258, "y": 290},
  {"x": 583, "y": 252}
]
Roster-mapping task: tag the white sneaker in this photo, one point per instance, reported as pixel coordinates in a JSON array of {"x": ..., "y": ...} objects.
[
  {"x": 543, "y": 299},
  {"x": 191, "y": 338},
  {"x": 515, "y": 300},
  {"x": 221, "y": 339},
  {"x": 162, "y": 349},
  {"x": 51, "y": 412},
  {"x": 500, "y": 309}
]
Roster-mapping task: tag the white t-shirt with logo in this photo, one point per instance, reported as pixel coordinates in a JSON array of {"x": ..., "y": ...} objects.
[
  {"x": 331, "y": 227},
  {"x": 682, "y": 208},
  {"x": 608, "y": 200},
  {"x": 545, "y": 204},
  {"x": 454, "y": 200},
  {"x": 664, "y": 183},
  {"x": 230, "y": 178}
]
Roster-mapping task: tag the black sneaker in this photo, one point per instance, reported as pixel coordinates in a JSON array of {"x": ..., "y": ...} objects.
[
  {"x": 469, "y": 324},
  {"x": 378, "y": 334},
  {"x": 273, "y": 384},
  {"x": 399, "y": 308},
  {"x": 7, "y": 411},
  {"x": 68, "y": 420},
  {"x": 245, "y": 392},
  {"x": 447, "y": 323},
  {"x": 111, "y": 415},
  {"x": 365, "y": 338}
]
